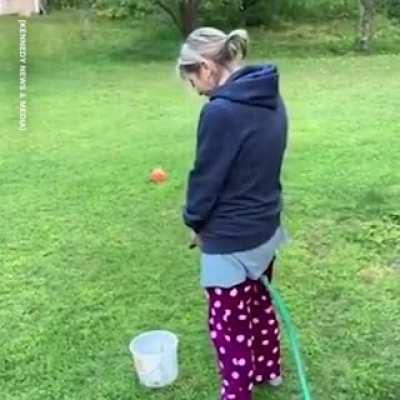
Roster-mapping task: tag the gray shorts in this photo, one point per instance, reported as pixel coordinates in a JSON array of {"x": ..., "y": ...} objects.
[{"x": 227, "y": 270}]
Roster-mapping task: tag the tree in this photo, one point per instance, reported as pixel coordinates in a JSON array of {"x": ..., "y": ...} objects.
[
  {"x": 184, "y": 13},
  {"x": 43, "y": 6},
  {"x": 367, "y": 15}
]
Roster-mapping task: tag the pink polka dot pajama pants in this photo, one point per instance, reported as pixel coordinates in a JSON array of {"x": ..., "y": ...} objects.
[{"x": 245, "y": 332}]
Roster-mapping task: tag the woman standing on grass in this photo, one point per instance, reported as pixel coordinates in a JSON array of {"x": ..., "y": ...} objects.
[{"x": 234, "y": 203}]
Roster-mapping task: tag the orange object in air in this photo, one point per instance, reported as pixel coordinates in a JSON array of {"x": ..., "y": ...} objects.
[{"x": 158, "y": 175}]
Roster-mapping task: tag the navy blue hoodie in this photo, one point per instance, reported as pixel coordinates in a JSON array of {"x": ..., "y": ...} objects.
[{"x": 234, "y": 198}]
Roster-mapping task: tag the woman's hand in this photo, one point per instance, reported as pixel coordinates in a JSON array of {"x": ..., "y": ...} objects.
[{"x": 195, "y": 240}]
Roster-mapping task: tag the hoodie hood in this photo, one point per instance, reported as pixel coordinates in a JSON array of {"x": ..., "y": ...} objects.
[{"x": 252, "y": 85}]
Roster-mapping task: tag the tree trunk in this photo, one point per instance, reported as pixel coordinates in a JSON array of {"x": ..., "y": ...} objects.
[
  {"x": 43, "y": 6},
  {"x": 244, "y": 5},
  {"x": 184, "y": 14},
  {"x": 189, "y": 11},
  {"x": 367, "y": 14}
]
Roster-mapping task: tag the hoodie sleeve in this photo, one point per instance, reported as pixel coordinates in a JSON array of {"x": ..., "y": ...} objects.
[{"x": 217, "y": 147}]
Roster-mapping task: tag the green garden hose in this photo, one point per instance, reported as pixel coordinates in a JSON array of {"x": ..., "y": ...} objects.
[{"x": 293, "y": 337}]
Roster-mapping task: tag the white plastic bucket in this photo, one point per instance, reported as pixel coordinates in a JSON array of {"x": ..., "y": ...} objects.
[{"x": 155, "y": 355}]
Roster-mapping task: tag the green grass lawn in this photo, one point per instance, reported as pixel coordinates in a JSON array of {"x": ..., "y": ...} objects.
[{"x": 91, "y": 253}]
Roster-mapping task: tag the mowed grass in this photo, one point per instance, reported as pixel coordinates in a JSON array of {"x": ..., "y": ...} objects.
[{"x": 92, "y": 254}]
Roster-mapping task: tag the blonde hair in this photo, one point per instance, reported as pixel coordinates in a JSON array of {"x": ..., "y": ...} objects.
[{"x": 212, "y": 44}]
